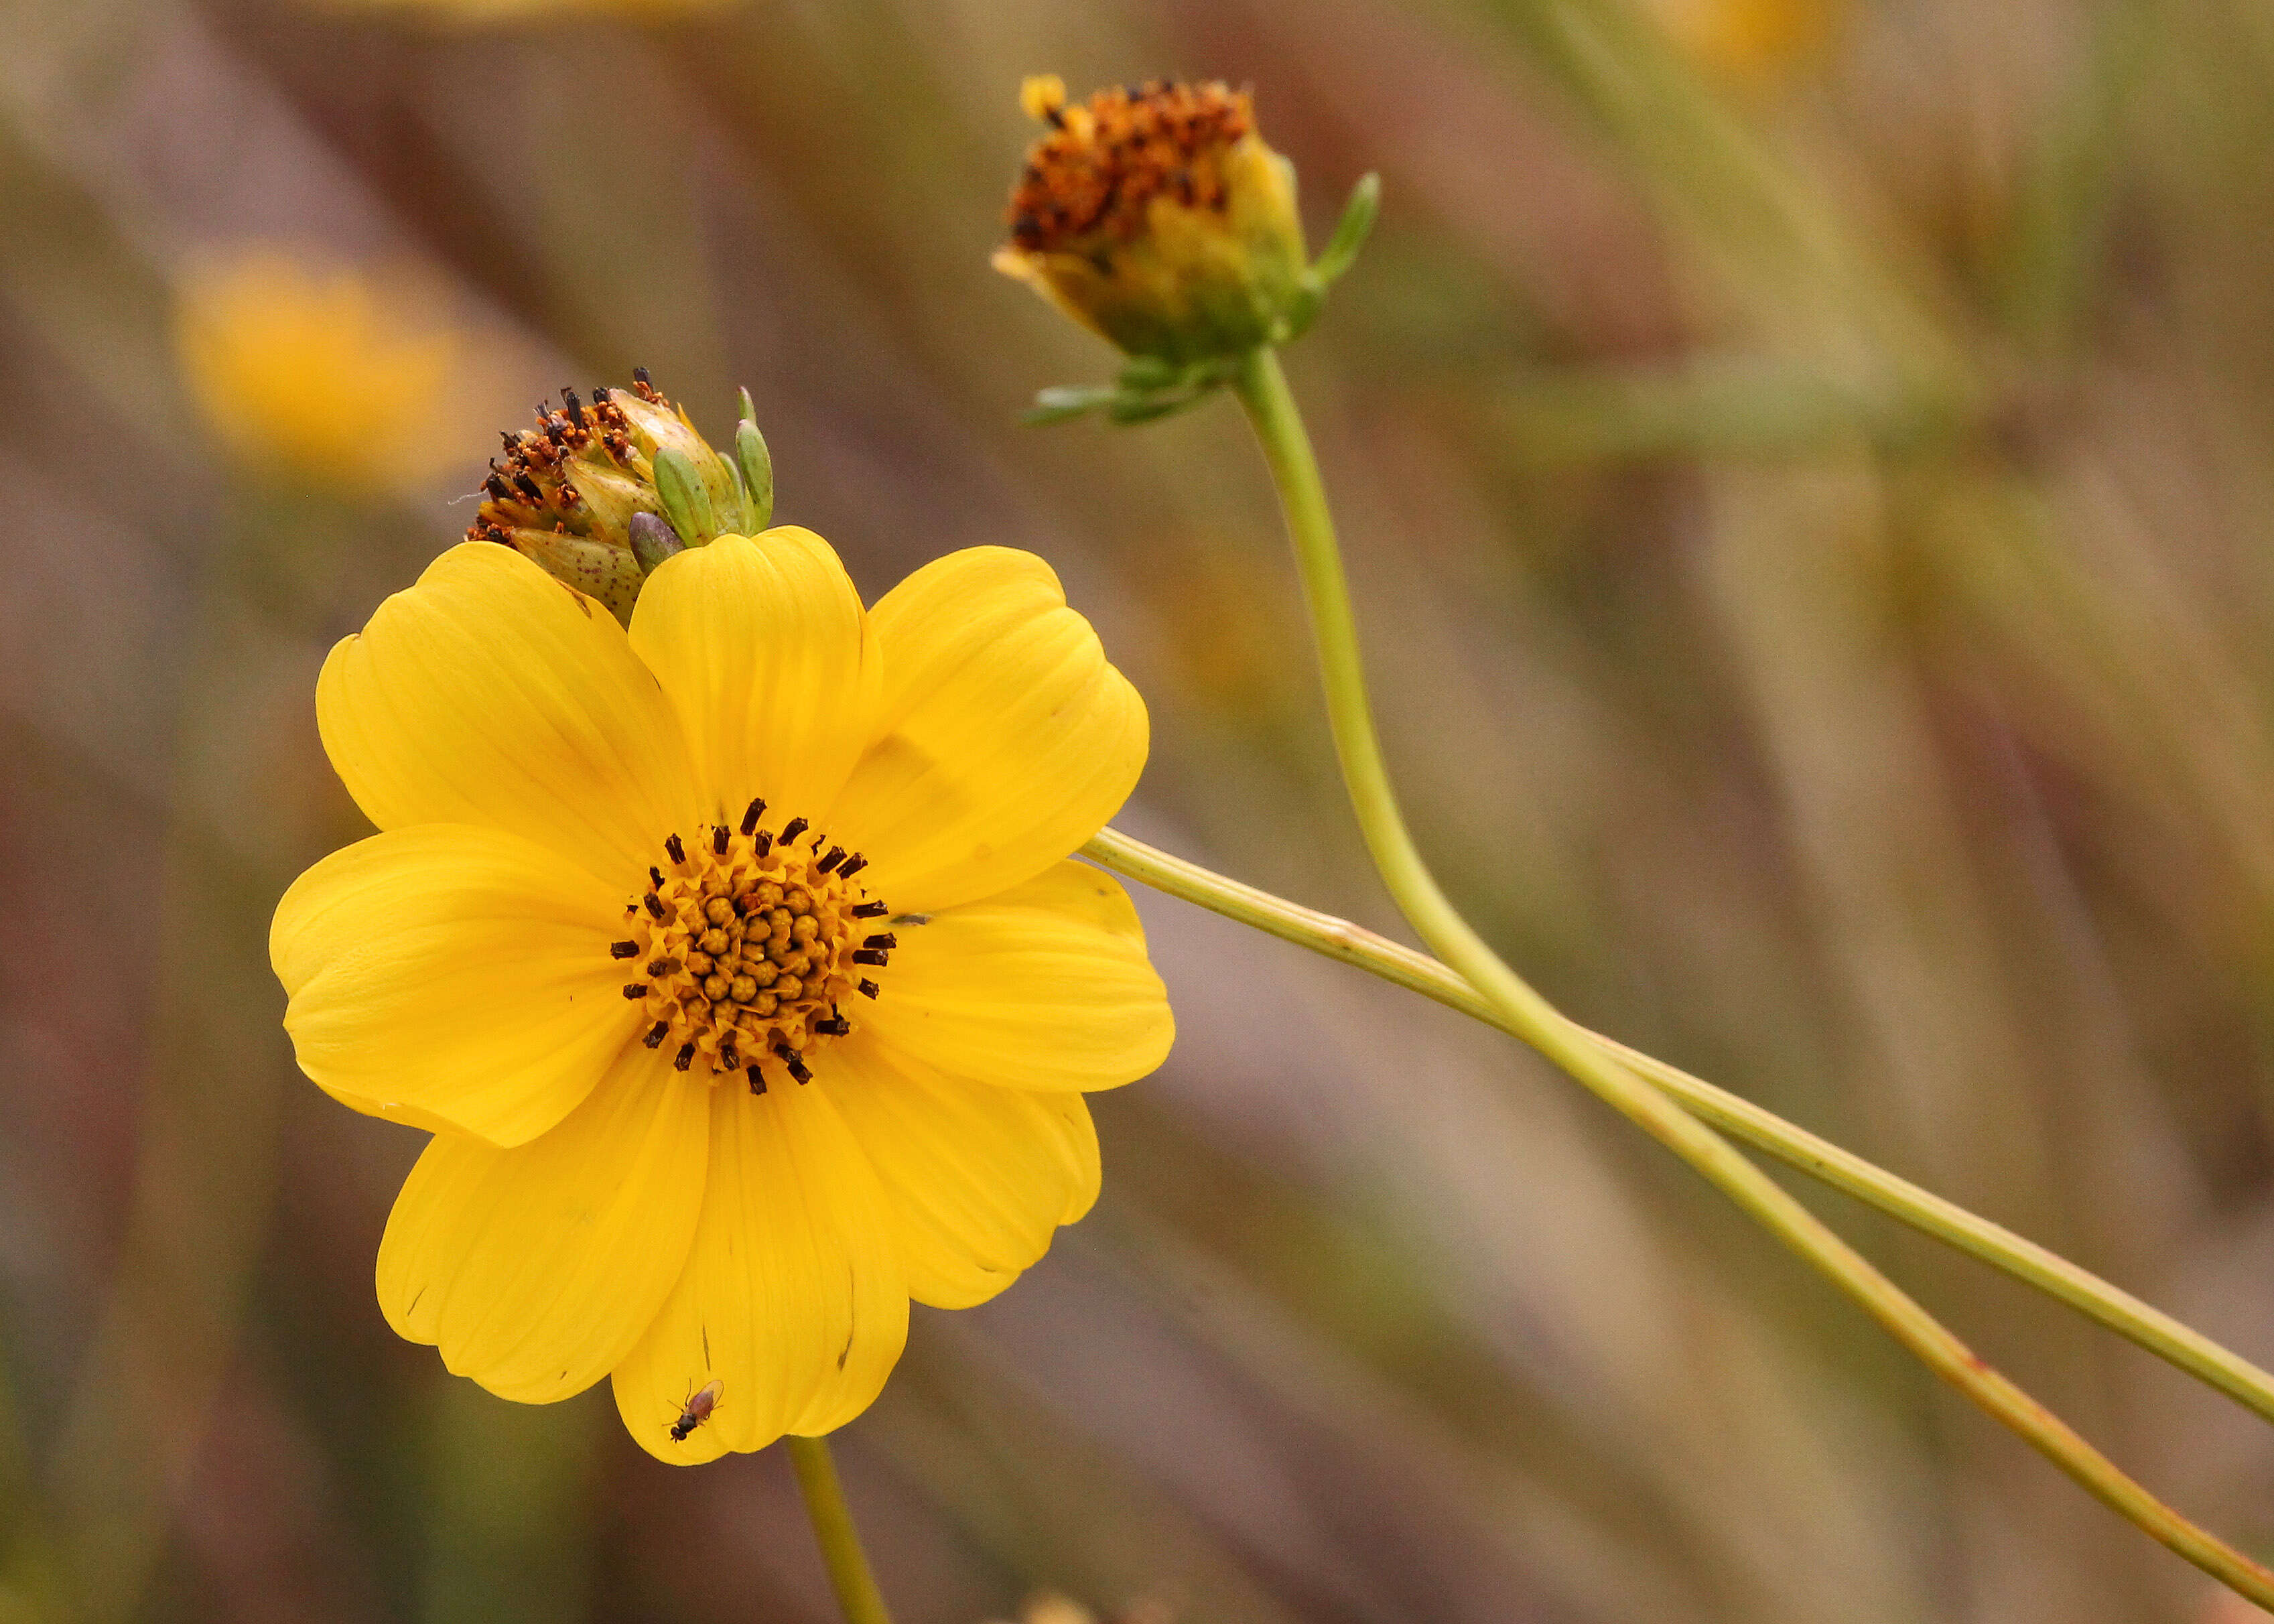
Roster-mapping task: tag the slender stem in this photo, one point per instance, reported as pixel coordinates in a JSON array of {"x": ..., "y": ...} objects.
[
  {"x": 857, "y": 1595},
  {"x": 1262, "y": 390},
  {"x": 2024, "y": 1260}
]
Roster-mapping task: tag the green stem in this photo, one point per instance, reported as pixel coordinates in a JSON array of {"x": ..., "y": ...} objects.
[
  {"x": 857, "y": 1595},
  {"x": 1262, "y": 390},
  {"x": 1796, "y": 1147}
]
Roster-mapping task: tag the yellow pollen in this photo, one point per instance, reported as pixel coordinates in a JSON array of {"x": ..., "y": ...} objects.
[{"x": 749, "y": 952}]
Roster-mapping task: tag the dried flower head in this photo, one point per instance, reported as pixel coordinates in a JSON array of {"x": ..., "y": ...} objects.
[
  {"x": 571, "y": 493},
  {"x": 1156, "y": 216}
]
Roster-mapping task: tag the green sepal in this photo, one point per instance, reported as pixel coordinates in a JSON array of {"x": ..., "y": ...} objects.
[
  {"x": 755, "y": 465},
  {"x": 1350, "y": 232},
  {"x": 679, "y": 488},
  {"x": 1148, "y": 389}
]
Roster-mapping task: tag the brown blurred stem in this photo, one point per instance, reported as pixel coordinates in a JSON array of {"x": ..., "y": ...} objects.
[
  {"x": 1261, "y": 389},
  {"x": 857, "y": 1595}
]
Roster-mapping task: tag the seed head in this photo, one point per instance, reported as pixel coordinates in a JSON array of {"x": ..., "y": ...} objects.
[
  {"x": 600, "y": 492},
  {"x": 1156, "y": 216}
]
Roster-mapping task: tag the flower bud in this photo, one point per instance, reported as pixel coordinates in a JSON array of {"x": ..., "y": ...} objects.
[
  {"x": 570, "y": 492},
  {"x": 1158, "y": 218}
]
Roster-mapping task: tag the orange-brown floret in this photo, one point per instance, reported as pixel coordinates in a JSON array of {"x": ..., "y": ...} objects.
[
  {"x": 1104, "y": 161},
  {"x": 533, "y": 488}
]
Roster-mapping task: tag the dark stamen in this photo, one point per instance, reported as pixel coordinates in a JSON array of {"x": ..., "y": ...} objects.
[
  {"x": 663, "y": 966},
  {"x": 836, "y": 1026},
  {"x": 870, "y": 910},
  {"x": 634, "y": 989},
  {"x": 640, "y": 375},
  {"x": 655, "y": 877},
  {"x": 575, "y": 407},
  {"x": 764, "y": 840},
  {"x": 867, "y": 988},
  {"x": 795, "y": 1062},
  {"x": 678, "y": 852},
  {"x": 757, "y": 1083},
  {"x": 731, "y": 1055},
  {"x": 795, "y": 827},
  {"x": 836, "y": 855},
  {"x": 751, "y": 814},
  {"x": 685, "y": 1057},
  {"x": 498, "y": 488},
  {"x": 719, "y": 840},
  {"x": 528, "y": 488},
  {"x": 886, "y": 940},
  {"x": 654, "y": 904},
  {"x": 868, "y": 956},
  {"x": 853, "y": 865},
  {"x": 656, "y": 1034},
  {"x": 623, "y": 949}
]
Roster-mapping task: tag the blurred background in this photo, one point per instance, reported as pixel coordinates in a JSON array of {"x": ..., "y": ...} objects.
[{"x": 1808, "y": 470}]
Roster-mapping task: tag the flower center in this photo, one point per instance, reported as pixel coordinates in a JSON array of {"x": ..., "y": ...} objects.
[
  {"x": 1104, "y": 161},
  {"x": 747, "y": 945}
]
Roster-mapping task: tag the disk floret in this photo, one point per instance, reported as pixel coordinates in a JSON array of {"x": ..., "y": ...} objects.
[{"x": 747, "y": 946}]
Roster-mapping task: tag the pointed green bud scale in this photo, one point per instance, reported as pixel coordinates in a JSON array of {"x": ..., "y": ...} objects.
[
  {"x": 757, "y": 466},
  {"x": 1350, "y": 232},
  {"x": 686, "y": 503}
]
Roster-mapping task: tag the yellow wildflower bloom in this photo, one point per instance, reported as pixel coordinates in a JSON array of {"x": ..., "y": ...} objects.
[
  {"x": 319, "y": 373},
  {"x": 735, "y": 959},
  {"x": 475, "y": 13},
  {"x": 1752, "y": 41}
]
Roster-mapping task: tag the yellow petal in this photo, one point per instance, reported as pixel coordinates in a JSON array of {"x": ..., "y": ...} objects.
[
  {"x": 793, "y": 1298},
  {"x": 1005, "y": 740},
  {"x": 452, "y": 977},
  {"x": 767, "y": 656},
  {"x": 535, "y": 1270},
  {"x": 491, "y": 694},
  {"x": 1046, "y": 986},
  {"x": 979, "y": 1178}
]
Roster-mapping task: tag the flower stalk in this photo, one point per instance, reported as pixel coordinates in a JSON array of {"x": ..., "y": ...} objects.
[
  {"x": 849, "y": 1575},
  {"x": 1339, "y": 939},
  {"x": 1260, "y": 386}
]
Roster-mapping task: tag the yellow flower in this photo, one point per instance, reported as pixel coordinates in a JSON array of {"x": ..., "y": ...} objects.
[
  {"x": 1159, "y": 219},
  {"x": 1752, "y": 41},
  {"x": 319, "y": 373},
  {"x": 735, "y": 961},
  {"x": 479, "y": 13}
]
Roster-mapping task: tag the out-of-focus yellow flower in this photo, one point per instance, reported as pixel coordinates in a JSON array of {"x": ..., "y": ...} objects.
[
  {"x": 479, "y": 14},
  {"x": 1751, "y": 39},
  {"x": 735, "y": 960},
  {"x": 1159, "y": 218},
  {"x": 321, "y": 374}
]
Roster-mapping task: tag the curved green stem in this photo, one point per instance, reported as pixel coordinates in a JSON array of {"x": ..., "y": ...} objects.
[
  {"x": 1262, "y": 390},
  {"x": 1796, "y": 1147},
  {"x": 857, "y": 1595}
]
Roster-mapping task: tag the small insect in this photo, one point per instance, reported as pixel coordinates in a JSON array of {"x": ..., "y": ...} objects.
[{"x": 697, "y": 1411}]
